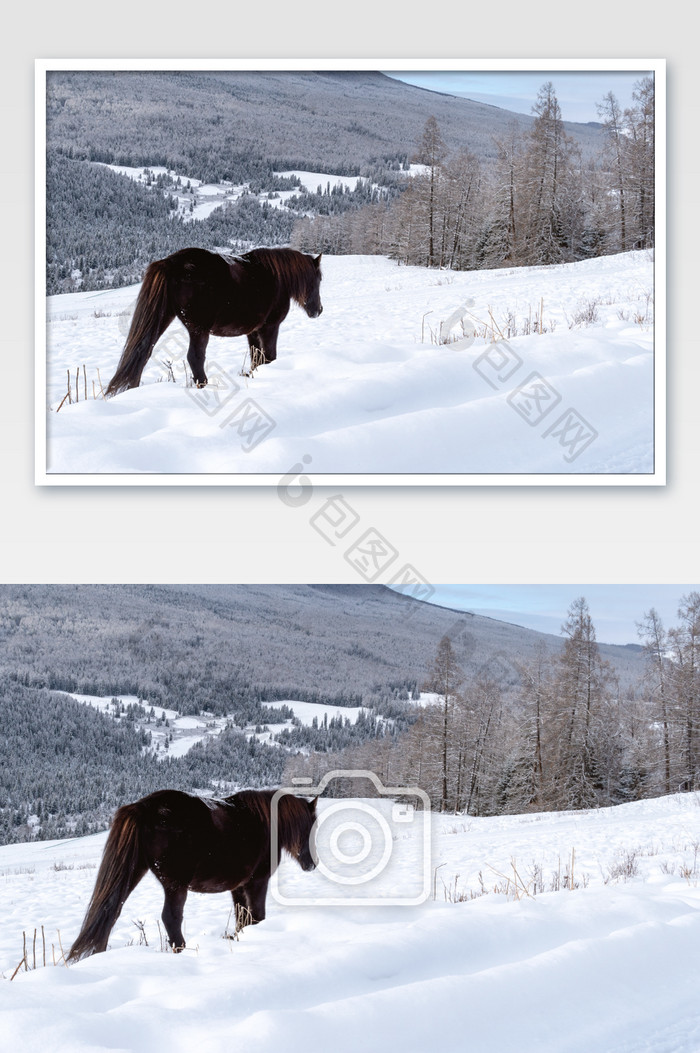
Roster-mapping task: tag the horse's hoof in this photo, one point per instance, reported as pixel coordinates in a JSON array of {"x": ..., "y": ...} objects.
[{"x": 201, "y": 383}]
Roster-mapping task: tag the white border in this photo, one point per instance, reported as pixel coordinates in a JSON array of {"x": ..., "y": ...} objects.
[{"x": 655, "y": 478}]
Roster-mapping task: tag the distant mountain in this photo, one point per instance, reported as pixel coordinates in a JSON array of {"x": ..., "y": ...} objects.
[
  {"x": 216, "y": 646},
  {"x": 219, "y": 124}
]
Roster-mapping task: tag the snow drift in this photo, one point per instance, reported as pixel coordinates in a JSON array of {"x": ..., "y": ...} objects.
[
  {"x": 555, "y": 379},
  {"x": 555, "y": 933}
]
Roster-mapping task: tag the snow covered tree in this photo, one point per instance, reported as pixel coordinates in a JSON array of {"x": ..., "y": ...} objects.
[
  {"x": 611, "y": 115},
  {"x": 546, "y": 185},
  {"x": 630, "y": 155},
  {"x": 641, "y": 124},
  {"x": 431, "y": 152},
  {"x": 462, "y": 212},
  {"x": 685, "y": 652},
  {"x": 659, "y": 675},
  {"x": 503, "y": 229},
  {"x": 481, "y": 713},
  {"x": 528, "y": 785},
  {"x": 445, "y": 679},
  {"x": 579, "y": 715}
]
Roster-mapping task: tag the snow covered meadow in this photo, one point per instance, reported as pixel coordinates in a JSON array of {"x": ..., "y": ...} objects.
[
  {"x": 553, "y": 933},
  {"x": 544, "y": 372}
]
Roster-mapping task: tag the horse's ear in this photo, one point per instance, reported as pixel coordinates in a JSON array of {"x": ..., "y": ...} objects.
[
  {"x": 312, "y": 804},
  {"x": 317, "y": 261}
]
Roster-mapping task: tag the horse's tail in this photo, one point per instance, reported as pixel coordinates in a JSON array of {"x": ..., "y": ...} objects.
[
  {"x": 122, "y": 867},
  {"x": 151, "y": 319}
]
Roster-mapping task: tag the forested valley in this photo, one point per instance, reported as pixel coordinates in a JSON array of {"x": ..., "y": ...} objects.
[
  {"x": 490, "y": 189},
  {"x": 486, "y": 717}
]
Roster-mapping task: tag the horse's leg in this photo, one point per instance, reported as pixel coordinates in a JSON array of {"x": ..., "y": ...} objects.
[
  {"x": 251, "y": 896},
  {"x": 196, "y": 355},
  {"x": 255, "y": 347},
  {"x": 173, "y": 910},
  {"x": 241, "y": 910},
  {"x": 266, "y": 340}
]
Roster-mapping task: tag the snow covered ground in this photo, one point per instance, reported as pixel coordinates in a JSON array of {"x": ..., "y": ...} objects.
[
  {"x": 196, "y": 200},
  {"x": 305, "y": 712},
  {"x": 598, "y": 957},
  {"x": 368, "y": 391},
  {"x": 175, "y": 738}
]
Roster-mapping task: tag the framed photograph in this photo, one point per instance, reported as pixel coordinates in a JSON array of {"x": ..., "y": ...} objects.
[{"x": 446, "y": 274}]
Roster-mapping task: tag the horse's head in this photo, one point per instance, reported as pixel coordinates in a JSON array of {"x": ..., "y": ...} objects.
[{"x": 312, "y": 303}]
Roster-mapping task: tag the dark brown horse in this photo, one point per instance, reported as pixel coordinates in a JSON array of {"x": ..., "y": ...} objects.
[
  {"x": 192, "y": 843},
  {"x": 247, "y": 295}
]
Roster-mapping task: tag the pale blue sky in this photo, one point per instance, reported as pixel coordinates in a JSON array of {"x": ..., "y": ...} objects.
[
  {"x": 614, "y": 608},
  {"x": 578, "y": 92}
]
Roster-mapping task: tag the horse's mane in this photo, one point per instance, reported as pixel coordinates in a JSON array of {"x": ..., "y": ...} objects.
[
  {"x": 293, "y": 814},
  {"x": 256, "y": 801},
  {"x": 291, "y": 268}
]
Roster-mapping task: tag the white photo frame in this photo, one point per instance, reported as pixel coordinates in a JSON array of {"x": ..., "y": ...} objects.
[{"x": 299, "y": 461}]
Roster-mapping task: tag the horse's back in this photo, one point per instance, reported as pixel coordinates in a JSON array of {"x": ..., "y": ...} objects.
[
  {"x": 172, "y": 809},
  {"x": 196, "y": 265}
]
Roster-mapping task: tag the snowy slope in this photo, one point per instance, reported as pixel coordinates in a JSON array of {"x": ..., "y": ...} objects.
[
  {"x": 307, "y": 712},
  {"x": 171, "y": 740},
  {"x": 608, "y": 963},
  {"x": 368, "y": 389}
]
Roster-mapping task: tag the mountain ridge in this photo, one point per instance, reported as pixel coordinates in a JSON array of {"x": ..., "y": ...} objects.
[
  {"x": 331, "y": 120},
  {"x": 328, "y": 638}
]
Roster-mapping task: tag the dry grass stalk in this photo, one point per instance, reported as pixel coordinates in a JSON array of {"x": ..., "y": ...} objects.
[{"x": 519, "y": 886}]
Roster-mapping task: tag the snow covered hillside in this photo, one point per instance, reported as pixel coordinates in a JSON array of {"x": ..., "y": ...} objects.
[
  {"x": 555, "y": 933},
  {"x": 197, "y": 200},
  {"x": 370, "y": 388}
]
